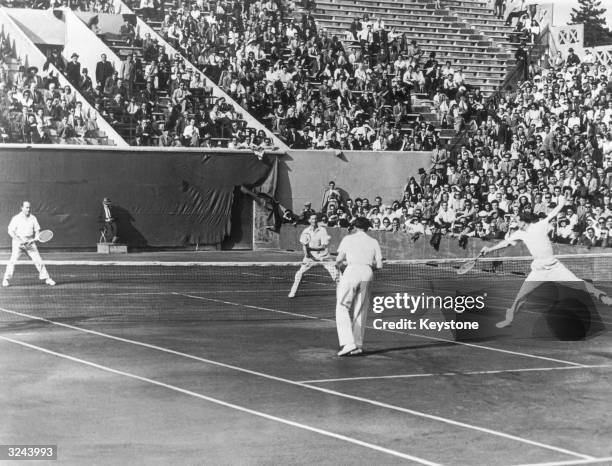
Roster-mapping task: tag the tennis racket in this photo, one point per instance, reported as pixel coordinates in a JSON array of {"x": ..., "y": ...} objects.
[
  {"x": 469, "y": 265},
  {"x": 305, "y": 238},
  {"x": 44, "y": 236}
]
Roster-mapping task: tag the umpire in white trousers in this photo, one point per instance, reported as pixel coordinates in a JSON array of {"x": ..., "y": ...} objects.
[
  {"x": 361, "y": 254},
  {"x": 24, "y": 230}
]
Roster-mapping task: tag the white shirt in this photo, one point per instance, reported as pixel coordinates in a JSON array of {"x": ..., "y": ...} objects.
[
  {"x": 536, "y": 239},
  {"x": 22, "y": 227},
  {"x": 361, "y": 249},
  {"x": 319, "y": 238}
]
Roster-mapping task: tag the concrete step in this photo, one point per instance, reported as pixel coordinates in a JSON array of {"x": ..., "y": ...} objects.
[{"x": 112, "y": 248}]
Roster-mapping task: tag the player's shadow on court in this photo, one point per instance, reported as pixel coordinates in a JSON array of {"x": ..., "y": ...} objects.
[{"x": 128, "y": 233}]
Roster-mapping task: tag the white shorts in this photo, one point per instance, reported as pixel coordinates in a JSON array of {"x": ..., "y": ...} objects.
[{"x": 550, "y": 270}]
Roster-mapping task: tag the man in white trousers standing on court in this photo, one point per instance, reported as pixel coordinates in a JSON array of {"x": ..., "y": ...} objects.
[
  {"x": 316, "y": 251},
  {"x": 361, "y": 254},
  {"x": 24, "y": 230}
]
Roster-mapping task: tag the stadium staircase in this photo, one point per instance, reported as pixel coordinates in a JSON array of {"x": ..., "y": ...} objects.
[{"x": 464, "y": 32}]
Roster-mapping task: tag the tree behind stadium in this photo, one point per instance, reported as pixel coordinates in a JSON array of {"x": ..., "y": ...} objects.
[{"x": 590, "y": 13}]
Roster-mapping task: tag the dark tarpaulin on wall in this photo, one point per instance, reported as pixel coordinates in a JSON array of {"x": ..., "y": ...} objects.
[{"x": 162, "y": 198}]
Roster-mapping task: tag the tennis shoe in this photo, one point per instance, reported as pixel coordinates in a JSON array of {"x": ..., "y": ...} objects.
[
  {"x": 347, "y": 349},
  {"x": 5, "y": 283},
  {"x": 504, "y": 323},
  {"x": 291, "y": 295},
  {"x": 50, "y": 282},
  {"x": 356, "y": 352},
  {"x": 507, "y": 321}
]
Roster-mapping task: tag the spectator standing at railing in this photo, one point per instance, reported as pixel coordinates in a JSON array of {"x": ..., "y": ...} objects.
[
  {"x": 127, "y": 72},
  {"x": 104, "y": 70},
  {"x": 73, "y": 70},
  {"x": 522, "y": 62}
]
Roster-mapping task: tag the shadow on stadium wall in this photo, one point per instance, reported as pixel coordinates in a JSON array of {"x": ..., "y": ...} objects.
[{"x": 164, "y": 198}]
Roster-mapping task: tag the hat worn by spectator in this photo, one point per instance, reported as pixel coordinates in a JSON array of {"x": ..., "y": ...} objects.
[{"x": 74, "y": 55}]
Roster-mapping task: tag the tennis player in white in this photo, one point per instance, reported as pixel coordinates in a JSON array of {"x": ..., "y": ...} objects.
[
  {"x": 545, "y": 266},
  {"x": 24, "y": 229},
  {"x": 315, "y": 251},
  {"x": 361, "y": 254}
]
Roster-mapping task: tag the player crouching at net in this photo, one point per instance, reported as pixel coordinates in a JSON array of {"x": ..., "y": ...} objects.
[
  {"x": 545, "y": 266},
  {"x": 358, "y": 254},
  {"x": 25, "y": 231},
  {"x": 315, "y": 241}
]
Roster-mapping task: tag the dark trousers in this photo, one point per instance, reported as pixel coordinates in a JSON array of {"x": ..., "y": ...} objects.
[
  {"x": 515, "y": 14},
  {"x": 110, "y": 230}
]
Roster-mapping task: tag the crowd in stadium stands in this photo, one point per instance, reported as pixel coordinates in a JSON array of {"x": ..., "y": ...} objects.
[
  {"x": 304, "y": 85},
  {"x": 550, "y": 137},
  {"x": 296, "y": 79},
  {"x": 151, "y": 98},
  {"x": 35, "y": 109}
]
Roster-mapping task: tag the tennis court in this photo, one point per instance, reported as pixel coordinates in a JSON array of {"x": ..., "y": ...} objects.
[{"x": 184, "y": 359}]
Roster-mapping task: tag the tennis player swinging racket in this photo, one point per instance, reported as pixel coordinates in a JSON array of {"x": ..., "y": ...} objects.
[
  {"x": 25, "y": 231},
  {"x": 315, "y": 241},
  {"x": 545, "y": 266}
]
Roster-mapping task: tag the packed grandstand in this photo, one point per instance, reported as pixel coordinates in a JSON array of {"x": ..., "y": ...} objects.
[{"x": 509, "y": 130}]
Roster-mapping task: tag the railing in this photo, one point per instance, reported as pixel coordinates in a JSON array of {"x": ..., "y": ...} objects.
[
  {"x": 603, "y": 54},
  {"x": 564, "y": 37}
]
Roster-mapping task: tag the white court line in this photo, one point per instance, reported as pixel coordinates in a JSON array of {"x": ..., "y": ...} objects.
[
  {"x": 259, "y": 308},
  {"x": 473, "y": 345},
  {"x": 607, "y": 460},
  {"x": 137, "y": 293},
  {"x": 312, "y": 387},
  {"x": 228, "y": 405},
  {"x": 436, "y": 374}
]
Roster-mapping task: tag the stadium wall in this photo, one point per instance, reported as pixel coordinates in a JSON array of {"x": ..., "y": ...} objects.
[
  {"x": 304, "y": 174},
  {"x": 164, "y": 198}
]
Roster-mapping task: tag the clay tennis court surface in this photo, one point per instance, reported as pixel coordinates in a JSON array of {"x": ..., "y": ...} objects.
[{"x": 214, "y": 365}]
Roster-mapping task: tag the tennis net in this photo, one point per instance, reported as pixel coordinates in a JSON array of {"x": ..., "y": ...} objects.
[{"x": 201, "y": 291}]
